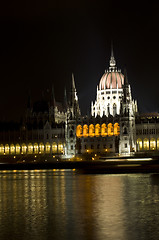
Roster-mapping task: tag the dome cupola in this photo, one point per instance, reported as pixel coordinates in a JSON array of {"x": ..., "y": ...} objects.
[{"x": 112, "y": 78}]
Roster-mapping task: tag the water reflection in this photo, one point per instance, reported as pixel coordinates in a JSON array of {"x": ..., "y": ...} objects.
[{"x": 45, "y": 204}]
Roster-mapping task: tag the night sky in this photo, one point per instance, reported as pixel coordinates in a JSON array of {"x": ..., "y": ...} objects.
[{"x": 43, "y": 42}]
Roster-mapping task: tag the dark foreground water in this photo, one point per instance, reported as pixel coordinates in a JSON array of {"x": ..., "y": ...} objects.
[{"x": 59, "y": 205}]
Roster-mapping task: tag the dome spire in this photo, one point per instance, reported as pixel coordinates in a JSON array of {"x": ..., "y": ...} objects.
[{"x": 112, "y": 61}]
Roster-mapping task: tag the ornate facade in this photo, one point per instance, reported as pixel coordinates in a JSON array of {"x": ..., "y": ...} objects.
[
  {"x": 114, "y": 126},
  {"x": 114, "y": 114}
]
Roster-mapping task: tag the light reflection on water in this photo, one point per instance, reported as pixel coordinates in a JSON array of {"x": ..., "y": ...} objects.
[{"x": 58, "y": 204}]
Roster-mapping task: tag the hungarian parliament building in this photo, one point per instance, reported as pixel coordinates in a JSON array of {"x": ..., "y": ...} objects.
[{"x": 114, "y": 127}]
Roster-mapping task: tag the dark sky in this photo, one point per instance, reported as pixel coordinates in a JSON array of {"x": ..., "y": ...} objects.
[{"x": 43, "y": 42}]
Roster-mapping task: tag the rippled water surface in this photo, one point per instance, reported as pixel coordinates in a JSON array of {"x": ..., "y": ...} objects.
[{"x": 59, "y": 205}]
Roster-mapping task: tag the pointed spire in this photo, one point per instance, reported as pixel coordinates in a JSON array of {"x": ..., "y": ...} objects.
[
  {"x": 112, "y": 52},
  {"x": 73, "y": 82},
  {"x": 52, "y": 96},
  {"x": 112, "y": 61}
]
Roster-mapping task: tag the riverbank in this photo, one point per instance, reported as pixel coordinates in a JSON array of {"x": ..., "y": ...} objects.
[{"x": 109, "y": 166}]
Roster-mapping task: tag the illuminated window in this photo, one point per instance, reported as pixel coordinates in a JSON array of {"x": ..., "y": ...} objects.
[
  {"x": 60, "y": 148},
  {"x": 97, "y": 130},
  {"x": 91, "y": 130},
  {"x": 1, "y": 149},
  {"x": 12, "y": 149},
  {"x": 6, "y": 149},
  {"x": 17, "y": 149},
  {"x": 54, "y": 147},
  {"x": 47, "y": 147},
  {"x": 30, "y": 148},
  {"x": 146, "y": 144},
  {"x": 35, "y": 148},
  {"x": 103, "y": 130},
  {"x": 116, "y": 129},
  {"x": 79, "y": 131},
  {"x": 110, "y": 129},
  {"x": 152, "y": 144},
  {"x": 24, "y": 148},
  {"x": 85, "y": 130},
  {"x": 139, "y": 142}
]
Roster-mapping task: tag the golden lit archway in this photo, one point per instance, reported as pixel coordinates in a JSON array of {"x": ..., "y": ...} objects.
[
  {"x": 152, "y": 144},
  {"x": 85, "y": 130},
  {"x": 79, "y": 131},
  {"x": 104, "y": 130},
  {"x": 41, "y": 148},
  {"x": 6, "y": 149},
  {"x": 91, "y": 130},
  {"x": 30, "y": 148},
  {"x": 35, "y": 148},
  {"x": 12, "y": 149},
  {"x": 47, "y": 147},
  {"x": 17, "y": 148},
  {"x": 139, "y": 142},
  {"x": 97, "y": 130},
  {"x": 116, "y": 129},
  {"x": 157, "y": 143},
  {"x": 146, "y": 144},
  {"x": 110, "y": 129},
  {"x": 54, "y": 147},
  {"x": 60, "y": 147},
  {"x": 24, "y": 148},
  {"x": 1, "y": 149}
]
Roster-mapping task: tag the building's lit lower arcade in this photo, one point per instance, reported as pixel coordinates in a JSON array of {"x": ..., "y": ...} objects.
[{"x": 32, "y": 148}]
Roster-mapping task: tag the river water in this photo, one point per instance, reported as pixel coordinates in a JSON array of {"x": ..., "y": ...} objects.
[{"x": 61, "y": 204}]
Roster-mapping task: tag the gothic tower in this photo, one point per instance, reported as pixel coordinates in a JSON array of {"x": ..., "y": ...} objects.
[
  {"x": 73, "y": 112},
  {"x": 127, "y": 120}
]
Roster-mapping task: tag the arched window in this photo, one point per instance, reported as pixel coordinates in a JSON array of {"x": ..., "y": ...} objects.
[
  {"x": 41, "y": 148},
  {"x": 85, "y": 130},
  {"x": 91, "y": 130},
  {"x": 24, "y": 148},
  {"x": 125, "y": 131},
  {"x": 6, "y": 149},
  {"x": 79, "y": 131},
  {"x": 108, "y": 109},
  {"x": 30, "y": 148},
  {"x": 1, "y": 149},
  {"x": 54, "y": 147},
  {"x": 114, "y": 109},
  {"x": 104, "y": 130},
  {"x": 12, "y": 149},
  {"x": 139, "y": 143},
  {"x": 116, "y": 129},
  {"x": 71, "y": 133},
  {"x": 146, "y": 144},
  {"x": 110, "y": 129},
  {"x": 35, "y": 148},
  {"x": 60, "y": 148},
  {"x": 17, "y": 148},
  {"x": 97, "y": 130},
  {"x": 47, "y": 147},
  {"x": 152, "y": 144}
]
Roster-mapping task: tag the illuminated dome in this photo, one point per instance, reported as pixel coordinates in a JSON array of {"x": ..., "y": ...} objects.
[{"x": 111, "y": 79}]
